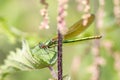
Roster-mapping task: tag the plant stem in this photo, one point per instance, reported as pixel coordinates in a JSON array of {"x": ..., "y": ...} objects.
[
  {"x": 59, "y": 56},
  {"x": 53, "y": 73},
  {"x": 96, "y": 45}
]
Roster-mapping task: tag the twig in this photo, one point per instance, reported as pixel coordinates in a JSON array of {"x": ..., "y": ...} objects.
[
  {"x": 62, "y": 6},
  {"x": 53, "y": 73},
  {"x": 59, "y": 56}
]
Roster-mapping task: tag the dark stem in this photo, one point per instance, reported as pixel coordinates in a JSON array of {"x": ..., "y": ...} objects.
[{"x": 59, "y": 61}]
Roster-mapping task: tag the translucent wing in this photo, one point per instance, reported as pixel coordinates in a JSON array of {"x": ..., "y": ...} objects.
[{"x": 78, "y": 27}]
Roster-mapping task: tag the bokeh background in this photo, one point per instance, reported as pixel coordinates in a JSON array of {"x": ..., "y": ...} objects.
[{"x": 88, "y": 60}]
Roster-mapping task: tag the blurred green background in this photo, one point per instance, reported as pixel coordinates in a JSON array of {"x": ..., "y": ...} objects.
[{"x": 24, "y": 15}]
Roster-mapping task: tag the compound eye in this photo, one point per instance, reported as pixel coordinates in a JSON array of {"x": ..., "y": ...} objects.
[{"x": 41, "y": 45}]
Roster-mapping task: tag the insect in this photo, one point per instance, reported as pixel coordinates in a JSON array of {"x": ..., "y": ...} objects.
[{"x": 44, "y": 54}]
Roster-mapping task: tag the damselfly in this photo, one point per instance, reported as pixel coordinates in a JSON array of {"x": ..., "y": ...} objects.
[
  {"x": 44, "y": 54},
  {"x": 75, "y": 30}
]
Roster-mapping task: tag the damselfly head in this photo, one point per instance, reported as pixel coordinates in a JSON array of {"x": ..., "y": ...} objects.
[{"x": 43, "y": 46}]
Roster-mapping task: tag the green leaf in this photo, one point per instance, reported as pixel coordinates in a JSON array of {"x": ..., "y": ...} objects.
[{"x": 26, "y": 59}]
